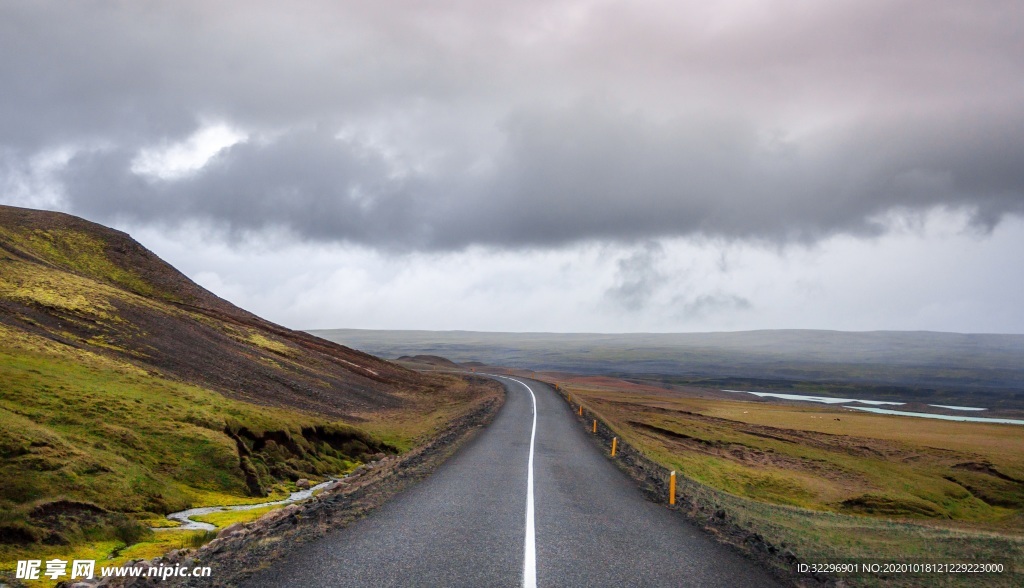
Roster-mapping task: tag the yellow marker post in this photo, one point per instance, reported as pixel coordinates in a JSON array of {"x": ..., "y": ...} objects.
[
  {"x": 615, "y": 443},
  {"x": 595, "y": 425},
  {"x": 581, "y": 410},
  {"x": 672, "y": 487}
]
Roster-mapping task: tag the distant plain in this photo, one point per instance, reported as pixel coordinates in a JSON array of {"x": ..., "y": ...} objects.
[
  {"x": 823, "y": 482},
  {"x": 830, "y": 484}
]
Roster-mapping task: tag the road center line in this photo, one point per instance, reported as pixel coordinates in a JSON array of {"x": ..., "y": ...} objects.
[{"x": 530, "y": 546}]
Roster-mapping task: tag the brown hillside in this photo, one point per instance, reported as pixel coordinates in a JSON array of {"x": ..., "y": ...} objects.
[{"x": 91, "y": 287}]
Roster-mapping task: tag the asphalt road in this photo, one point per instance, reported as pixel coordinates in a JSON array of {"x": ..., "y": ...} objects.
[{"x": 469, "y": 523}]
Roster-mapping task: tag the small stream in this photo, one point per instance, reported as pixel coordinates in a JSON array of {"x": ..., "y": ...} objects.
[{"x": 187, "y": 524}]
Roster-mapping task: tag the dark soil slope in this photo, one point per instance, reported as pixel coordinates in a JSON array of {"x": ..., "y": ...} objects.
[
  {"x": 86, "y": 286},
  {"x": 433, "y": 360}
]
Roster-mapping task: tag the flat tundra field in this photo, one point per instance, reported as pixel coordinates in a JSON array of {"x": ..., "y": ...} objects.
[{"x": 833, "y": 484}]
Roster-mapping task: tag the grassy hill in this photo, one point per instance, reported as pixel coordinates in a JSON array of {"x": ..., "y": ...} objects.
[{"x": 127, "y": 391}]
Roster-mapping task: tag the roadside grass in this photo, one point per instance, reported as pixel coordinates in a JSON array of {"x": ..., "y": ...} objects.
[
  {"x": 446, "y": 401},
  {"x": 824, "y": 537},
  {"x": 161, "y": 542},
  {"x": 116, "y": 553},
  {"x": 109, "y": 438},
  {"x": 104, "y": 553},
  {"x": 279, "y": 491},
  {"x": 1003, "y": 444},
  {"x": 829, "y": 458},
  {"x": 99, "y": 551},
  {"x": 122, "y": 441},
  {"x": 106, "y": 436},
  {"x": 836, "y": 485}
]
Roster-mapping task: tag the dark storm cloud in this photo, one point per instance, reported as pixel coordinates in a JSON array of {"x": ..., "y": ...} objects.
[
  {"x": 399, "y": 126},
  {"x": 610, "y": 174},
  {"x": 307, "y": 181}
]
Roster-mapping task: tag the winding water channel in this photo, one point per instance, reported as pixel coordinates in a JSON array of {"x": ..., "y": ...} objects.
[{"x": 187, "y": 524}]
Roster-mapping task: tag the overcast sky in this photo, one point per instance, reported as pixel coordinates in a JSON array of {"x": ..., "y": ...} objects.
[{"x": 556, "y": 165}]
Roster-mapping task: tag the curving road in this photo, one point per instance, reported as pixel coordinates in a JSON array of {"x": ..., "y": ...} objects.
[{"x": 529, "y": 502}]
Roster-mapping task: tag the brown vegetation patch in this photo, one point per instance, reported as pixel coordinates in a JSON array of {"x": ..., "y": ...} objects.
[
  {"x": 884, "y": 505},
  {"x": 990, "y": 489},
  {"x": 58, "y": 508},
  {"x": 986, "y": 468},
  {"x": 852, "y": 445},
  {"x": 434, "y": 360},
  {"x": 18, "y": 533},
  {"x": 611, "y": 383},
  {"x": 746, "y": 454}
]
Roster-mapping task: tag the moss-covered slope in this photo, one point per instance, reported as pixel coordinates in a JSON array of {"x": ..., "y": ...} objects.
[{"x": 128, "y": 390}]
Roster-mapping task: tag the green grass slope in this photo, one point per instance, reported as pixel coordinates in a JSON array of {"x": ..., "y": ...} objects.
[
  {"x": 97, "y": 437},
  {"x": 127, "y": 392}
]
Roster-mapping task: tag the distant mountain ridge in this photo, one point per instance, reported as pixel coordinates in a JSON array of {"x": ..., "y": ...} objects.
[{"x": 916, "y": 365}]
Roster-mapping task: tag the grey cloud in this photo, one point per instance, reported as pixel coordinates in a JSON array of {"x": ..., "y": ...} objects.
[
  {"x": 306, "y": 182},
  {"x": 706, "y": 305},
  {"x": 548, "y": 124},
  {"x": 637, "y": 278},
  {"x": 580, "y": 174},
  {"x": 618, "y": 177}
]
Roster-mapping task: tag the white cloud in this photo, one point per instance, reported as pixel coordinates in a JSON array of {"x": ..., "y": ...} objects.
[
  {"x": 33, "y": 183},
  {"x": 929, "y": 275},
  {"x": 172, "y": 161}
]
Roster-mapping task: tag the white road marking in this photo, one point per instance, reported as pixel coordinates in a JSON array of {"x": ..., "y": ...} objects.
[{"x": 530, "y": 547}]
